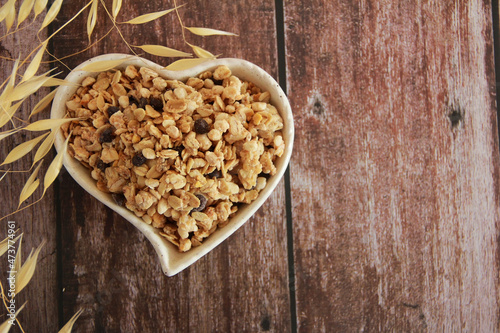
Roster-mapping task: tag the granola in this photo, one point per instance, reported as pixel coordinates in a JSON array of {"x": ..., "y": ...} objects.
[{"x": 183, "y": 156}]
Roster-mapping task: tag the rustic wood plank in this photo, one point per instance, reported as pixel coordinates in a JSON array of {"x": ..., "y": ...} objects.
[
  {"x": 39, "y": 221},
  {"x": 396, "y": 166},
  {"x": 111, "y": 271}
]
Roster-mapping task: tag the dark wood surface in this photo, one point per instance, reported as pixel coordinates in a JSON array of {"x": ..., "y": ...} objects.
[{"x": 388, "y": 219}]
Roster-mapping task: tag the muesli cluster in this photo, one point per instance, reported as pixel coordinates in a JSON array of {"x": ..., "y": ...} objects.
[{"x": 182, "y": 156}]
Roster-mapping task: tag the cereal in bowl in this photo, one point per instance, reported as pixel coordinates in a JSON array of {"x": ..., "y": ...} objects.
[{"x": 183, "y": 156}]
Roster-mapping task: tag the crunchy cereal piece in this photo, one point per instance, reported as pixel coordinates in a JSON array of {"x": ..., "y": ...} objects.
[
  {"x": 177, "y": 181},
  {"x": 222, "y": 72},
  {"x": 186, "y": 225},
  {"x": 101, "y": 84},
  {"x": 196, "y": 83},
  {"x": 159, "y": 220},
  {"x": 184, "y": 245},
  {"x": 223, "y": 210},
  {"x": 259, "y": 106},
  {"x": 118, "y": 121},
  {"x": 88, "y": 81},
  {"x": 279, "y": 145},
  {"x": 261, "y": 183},
  {"x": 202, "y": 220},
  {"x": 191, "y": 142},
  {"x": 159, "y": 83},
  {"x": 267, "y": 163},
  {"x": 73, "y": 104},
  {"x": 251, "y": 166},
  {"x": 147, "y": 74},
  {"x": 151, "y": 112},
  {"x": 131, "y": 72},
  {"x": 144, "y": 200},
  {"x": 152, "y": 183},
  {"x": 139, "y": 114},
  {"x": 176, "y": 106},
  {"x": 162, "y": 206},
  {"x": 149, "y": 153},
  {"x": 109, "y": 155},
  {"x": 171, "y": 238}
]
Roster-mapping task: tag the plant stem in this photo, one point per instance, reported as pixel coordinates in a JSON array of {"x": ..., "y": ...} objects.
[{"x": 117, "y": 29}]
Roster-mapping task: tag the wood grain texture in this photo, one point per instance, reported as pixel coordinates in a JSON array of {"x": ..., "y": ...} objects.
[
  {"x": 38, "y": 222},
  {"x": 394, "y": 181},
  {"x": 110, "y": 269},
  {"x": 398, "y": 228}
]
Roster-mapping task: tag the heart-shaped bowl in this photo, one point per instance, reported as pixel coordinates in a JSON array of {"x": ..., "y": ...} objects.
[{"x": 173, "y": 261}]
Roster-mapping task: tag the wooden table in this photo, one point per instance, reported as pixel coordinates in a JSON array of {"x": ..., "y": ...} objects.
[{"x": 388, "y": 219}]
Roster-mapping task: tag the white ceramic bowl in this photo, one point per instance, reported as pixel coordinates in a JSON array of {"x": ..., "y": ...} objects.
[{"x": 172, "y": 261}]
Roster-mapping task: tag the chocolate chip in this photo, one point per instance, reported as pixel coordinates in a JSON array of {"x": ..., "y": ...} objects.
[
  {"x": 265, "y": 175},
  {"x": 179, "y": 148},
  {"x": 119, "y": 199},
  {"x": 215, "y": 174},
  {"x": 142, "y": 103},
  {"x": 203, "y": 203},
  {"x": 112, "y": 110},
  {"x": 133, "y": 100},
  {"x": 138, "y": 159},
  {"x": 156, "y": 103},
  {"x": 101, "y": 165},
  {"x": 106, "y": 135},
  {"x": 201, "y": 126}
]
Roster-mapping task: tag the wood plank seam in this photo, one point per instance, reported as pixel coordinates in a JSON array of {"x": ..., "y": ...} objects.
[{"x": 280, "y": 40}]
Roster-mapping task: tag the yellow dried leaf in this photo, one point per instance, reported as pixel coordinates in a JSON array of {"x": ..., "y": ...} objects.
[
  {"x": 183, "y": 64},
  {"x": 6, "y": 93},
  {"x": 35, "y": 63},
  {"x": 5, "y": 327},
  {"x": 92, "y": 18},
  {"x": 150, "y": 17},
  {"x": 5, "y": 116},
  {"x": 29, "y": 191},
  {"x": 17, "y": 260},
  {"x": 23, "y": 149},
  {"x": 11, "y": 17},
  {"x": 51, "y": 13},
  {"x": 53, "y": 81},
  {"x": 117, "y": 5},
  {"x": 55, "y": 166},
  {"x": 25, "y": 273},
  {"x": 30, "y": 186},
  {"x": 28, "y": 87},
  {"x": 5, "y": 134},
  {"x": 69, "y": 325},
  {"x": 209, "y": 32},
  {"x": 163, "y": 51},
  {"x": 24, "y": 10},
  {"x": 103, "y": 65},
  {"x": 6, "y": 109},
  {"x": 4, "y": 245},
  {"x": 201, "y": 53},
  {"x": 45, "y": 146},
  {"x": 40, "y": 6},
  {"x": 6, "y": 9},
  {"x": 40, "y": 106},
  {"x": 4, "y": 174},
  {"x": 46, "y": 124}
]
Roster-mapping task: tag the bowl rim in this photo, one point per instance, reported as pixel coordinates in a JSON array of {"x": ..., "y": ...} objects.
[{"x": 174, "y": 262}]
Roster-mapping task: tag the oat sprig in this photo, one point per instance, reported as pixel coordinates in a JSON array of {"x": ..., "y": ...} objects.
[{"x": 22, "y": 275}]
